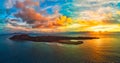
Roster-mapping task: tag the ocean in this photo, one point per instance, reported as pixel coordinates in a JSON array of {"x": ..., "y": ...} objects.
[{"x": 103, "y": 50}]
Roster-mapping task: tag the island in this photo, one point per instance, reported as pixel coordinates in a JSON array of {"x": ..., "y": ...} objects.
[{"x": 51, "y": 39}]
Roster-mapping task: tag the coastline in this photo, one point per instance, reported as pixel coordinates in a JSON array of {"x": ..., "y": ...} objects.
[{"x": 51, "y": 39}]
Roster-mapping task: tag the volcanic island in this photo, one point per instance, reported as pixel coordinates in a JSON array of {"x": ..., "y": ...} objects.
[{"x": 51, "y": 39}]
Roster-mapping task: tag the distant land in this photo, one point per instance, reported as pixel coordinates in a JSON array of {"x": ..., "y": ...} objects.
[{"x": 51, "y": 39}]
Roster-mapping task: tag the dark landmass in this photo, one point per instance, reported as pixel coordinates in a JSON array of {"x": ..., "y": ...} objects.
[{"x": 57, "y": 39}]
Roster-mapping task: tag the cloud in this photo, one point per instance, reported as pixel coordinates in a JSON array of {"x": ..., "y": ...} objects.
[
  {"x": 28, "y": 13},
  {"x": 55, "y": 14},
  {"x": 96, "y": 9}
]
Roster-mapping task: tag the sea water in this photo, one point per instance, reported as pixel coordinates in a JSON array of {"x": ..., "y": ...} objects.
[{"x": 103, "y": 50}]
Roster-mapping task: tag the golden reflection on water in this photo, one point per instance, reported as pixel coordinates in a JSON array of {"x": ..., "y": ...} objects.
[{"x": 97, "y": 50}]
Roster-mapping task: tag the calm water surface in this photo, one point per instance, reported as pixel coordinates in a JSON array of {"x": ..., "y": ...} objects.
[{"x": 103, "y": 50}]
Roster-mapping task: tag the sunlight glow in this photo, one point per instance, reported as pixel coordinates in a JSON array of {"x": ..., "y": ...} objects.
[{"x": 99, "y": 19}]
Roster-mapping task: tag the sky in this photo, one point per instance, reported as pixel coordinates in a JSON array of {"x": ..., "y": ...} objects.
[{"x": 67, "y": 15}]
